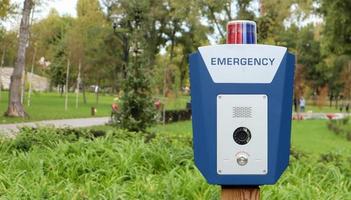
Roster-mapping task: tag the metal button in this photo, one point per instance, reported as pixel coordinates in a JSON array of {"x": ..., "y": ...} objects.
[{"x": 242, "y": 160}]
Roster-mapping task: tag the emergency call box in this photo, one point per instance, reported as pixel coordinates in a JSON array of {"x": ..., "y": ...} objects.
[{"x": 241, "y": 97}]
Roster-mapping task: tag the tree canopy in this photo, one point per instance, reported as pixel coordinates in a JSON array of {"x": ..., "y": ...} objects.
[{"x": 101, "y": 39}]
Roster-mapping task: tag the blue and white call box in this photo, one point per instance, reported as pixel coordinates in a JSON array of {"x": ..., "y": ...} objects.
[{"x": 241, "y": 98}]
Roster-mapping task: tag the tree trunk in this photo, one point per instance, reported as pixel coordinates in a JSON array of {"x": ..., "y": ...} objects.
[
  {"x": 84, "y": 95},
  {"x": 125, "y": 56},
  {"x": 15, "y": 107},
  {"x": 61, "y": 89}
]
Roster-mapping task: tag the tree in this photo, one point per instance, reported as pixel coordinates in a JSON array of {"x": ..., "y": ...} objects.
[
  {"x": 136, "y": 105},
  {"x": 49, "y": 35},
  {"x": 83, "y": 43},
  {"x": 336, "y": 44},
  {"x": 4, "y": 8},
  {"x": 337, "y": 30},
  {"x": 243, "y": 10},
  {"x": 15, "y": 107}
]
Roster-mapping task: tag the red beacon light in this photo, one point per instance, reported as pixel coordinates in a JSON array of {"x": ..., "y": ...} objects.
[{"x": 241, "y": 32}]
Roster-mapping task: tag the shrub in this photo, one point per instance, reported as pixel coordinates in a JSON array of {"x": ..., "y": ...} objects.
[
  {"x": 49, "y": 137},
  {"x": 74, "y": 164},
  {"x": 177, "y": 115},
  {"x": 345, "y": 120},
  {"x": 348, "y": 136}
]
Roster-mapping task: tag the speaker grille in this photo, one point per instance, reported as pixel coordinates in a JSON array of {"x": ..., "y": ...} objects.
[{"x": 242, "y": 112}]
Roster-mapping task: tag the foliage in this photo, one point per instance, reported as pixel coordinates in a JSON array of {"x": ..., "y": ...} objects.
[
  {"x": 137, "y": 110},
  {"x": 122, "y": 165},
  {"x": 341, "y": 127},
  {"x": 172, "y": 116},
  {"x": 336, "y": 43},
  {"x": 173, "y": 31},
  {"x": 47, "y": 137},
  {"x": 48, "y": 38},
  {"x": 4, "y": 8},
  {"x": 337, "y": 30}
]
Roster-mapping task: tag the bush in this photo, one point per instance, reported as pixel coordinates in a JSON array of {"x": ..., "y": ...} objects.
[
  {"x": 49, "y": 137},
  {"x": 177, "y": 115},
  {"x": 120, "y": 165},
  {"x": 74, "y": 164},
  {"x": 345, "y": 120},
  {"x": 340, "y": 127},
  {"x": 348, "y": 136}
]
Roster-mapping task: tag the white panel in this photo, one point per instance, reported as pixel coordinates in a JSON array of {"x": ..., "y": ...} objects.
[
  {"x": 234, "y": 111},
  {"x": 242, "y": 63}
]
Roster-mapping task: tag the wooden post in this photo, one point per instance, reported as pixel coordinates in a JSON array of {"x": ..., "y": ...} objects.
[{"x": 240, "y": 193}]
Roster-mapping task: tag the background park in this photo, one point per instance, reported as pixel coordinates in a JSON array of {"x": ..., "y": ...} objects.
[{"x": 125, "y": 62}]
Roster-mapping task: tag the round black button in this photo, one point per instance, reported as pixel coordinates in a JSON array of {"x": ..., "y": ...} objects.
[{"x": 242, "y": 135}]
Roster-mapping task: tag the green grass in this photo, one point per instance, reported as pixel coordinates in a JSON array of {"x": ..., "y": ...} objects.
[
  {"x": 176, "y": 103},
  {"x": 118, "y": 166},
  {"x": 51, "y": 163},
  {"x": 323, "y": 109},
  {"x": 69, "y": 164},
  {"x": 310, "y": 136},
  {"x": 52, "y": 106},
  {"x": 46, "y": 106}
]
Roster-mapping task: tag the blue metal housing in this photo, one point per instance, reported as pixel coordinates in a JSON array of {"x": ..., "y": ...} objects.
[{"x": 203, "y": 100}]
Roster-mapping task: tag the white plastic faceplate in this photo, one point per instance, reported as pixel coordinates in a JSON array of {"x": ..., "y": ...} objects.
[
  {"x": 242, "y": 63},
  {"x": 234, "y": 111}
]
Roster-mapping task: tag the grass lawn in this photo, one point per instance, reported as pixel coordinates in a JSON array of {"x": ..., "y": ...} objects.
[
  {"x": 310, "y": 136},
  {"x": 52, "y": 106},
  {"x": 176, "y": 103},
  {"x": 324, "y": 109},
  {"x": 46, "y": 106}
]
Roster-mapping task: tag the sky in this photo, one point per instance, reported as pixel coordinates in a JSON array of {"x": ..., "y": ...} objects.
[{"x": 62, "y": 6}]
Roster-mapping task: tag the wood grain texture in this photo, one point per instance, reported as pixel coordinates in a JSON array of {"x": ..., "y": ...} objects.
[{"x": 240, "y": 193}]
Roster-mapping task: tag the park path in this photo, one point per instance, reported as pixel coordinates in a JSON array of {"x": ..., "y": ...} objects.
[
  {"x": 311, "y": 115},
  {"x": 12, "y": 129}
]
